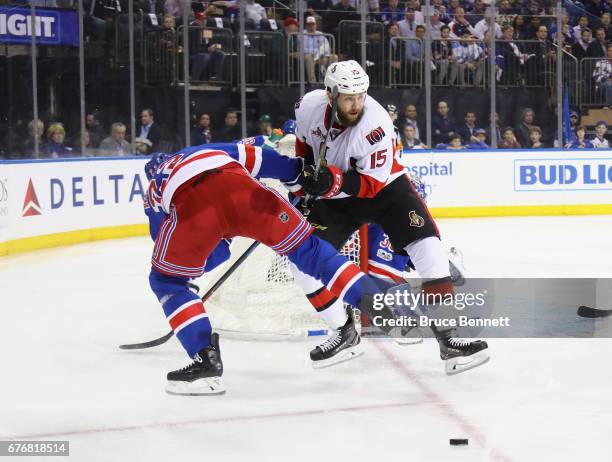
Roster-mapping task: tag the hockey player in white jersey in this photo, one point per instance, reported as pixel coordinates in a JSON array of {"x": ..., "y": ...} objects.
[{"x": 359, "y": 182}]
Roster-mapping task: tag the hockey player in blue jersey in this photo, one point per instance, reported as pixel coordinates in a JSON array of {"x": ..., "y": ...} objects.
[{"x": 190, "y": 238}]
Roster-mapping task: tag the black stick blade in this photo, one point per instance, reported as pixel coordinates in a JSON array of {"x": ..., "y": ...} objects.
[
  {"x": 588, "y": 312},
  {"x": 149, "y": 344}
]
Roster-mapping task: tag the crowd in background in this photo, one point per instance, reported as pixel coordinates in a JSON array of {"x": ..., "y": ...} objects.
[{"x": 460, "y": 29}]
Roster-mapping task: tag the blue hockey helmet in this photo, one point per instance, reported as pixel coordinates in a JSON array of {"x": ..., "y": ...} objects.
[{"x": 289, "y": 126}]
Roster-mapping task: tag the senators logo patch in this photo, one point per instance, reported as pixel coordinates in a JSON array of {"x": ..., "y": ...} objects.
[
  {"x": 318, "y": 133},
  {"x": 375, "y": 136},
  {"x": 416, "y": 220}
]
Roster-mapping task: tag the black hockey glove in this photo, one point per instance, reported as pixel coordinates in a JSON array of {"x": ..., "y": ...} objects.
[{"x": 327, "y": 184}]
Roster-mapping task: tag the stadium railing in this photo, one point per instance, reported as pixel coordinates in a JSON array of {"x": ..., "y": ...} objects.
[{"x": 593, "y": 82}]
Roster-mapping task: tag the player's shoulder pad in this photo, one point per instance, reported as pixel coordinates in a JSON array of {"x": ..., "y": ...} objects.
[{"x": 376, "y": 125}]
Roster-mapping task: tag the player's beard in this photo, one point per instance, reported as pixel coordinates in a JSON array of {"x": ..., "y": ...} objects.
[{"x": 347, "y": 120}]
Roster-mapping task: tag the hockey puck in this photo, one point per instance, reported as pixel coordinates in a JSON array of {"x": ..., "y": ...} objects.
[{"x": 458, "y": 441}]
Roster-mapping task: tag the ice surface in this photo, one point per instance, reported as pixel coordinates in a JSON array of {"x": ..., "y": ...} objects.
[{"x": 64, "y": 311}]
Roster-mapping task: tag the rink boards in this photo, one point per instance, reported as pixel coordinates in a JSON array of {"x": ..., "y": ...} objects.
[{"x": 45, "y": 203}]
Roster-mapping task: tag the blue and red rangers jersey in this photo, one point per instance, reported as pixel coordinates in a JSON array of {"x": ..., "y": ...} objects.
[{"x": 259, "y": 162}]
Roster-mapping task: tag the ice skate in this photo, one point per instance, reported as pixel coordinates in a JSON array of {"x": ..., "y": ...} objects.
[{"x": 202, "y": 376}]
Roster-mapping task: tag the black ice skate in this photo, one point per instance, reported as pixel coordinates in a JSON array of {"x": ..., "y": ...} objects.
[
  {"x": 202, "y": 376},
  {"x": 461, "y": 354},
  {"x": 343, "y": 345}
]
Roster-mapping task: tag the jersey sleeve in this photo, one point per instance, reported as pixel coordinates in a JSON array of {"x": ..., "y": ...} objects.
[
  {"x": 373, "y": 156},
  {"x": 262, "y": 162}
]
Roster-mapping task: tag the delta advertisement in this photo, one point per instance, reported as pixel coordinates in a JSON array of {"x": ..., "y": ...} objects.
[
  {"x": 47, "y": 197},
  {"x": 52, "y": 27},
  {"x": 514, "y": 179}
]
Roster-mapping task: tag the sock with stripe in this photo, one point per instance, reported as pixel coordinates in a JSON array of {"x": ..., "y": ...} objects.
[{"x": 184, "y": 311}]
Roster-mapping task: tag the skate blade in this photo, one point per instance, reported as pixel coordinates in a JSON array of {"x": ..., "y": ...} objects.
[
  {"x": 460, "y": 364},
  {"x": 200, "y": 387},
  {"x": 343, "y": 356}
]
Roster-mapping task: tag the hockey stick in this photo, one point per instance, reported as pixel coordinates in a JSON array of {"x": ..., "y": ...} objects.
[
  {"x": 332, "y": 117},
  {"x": 207, "y": 295},
  {"x": 588, "y": 312}
]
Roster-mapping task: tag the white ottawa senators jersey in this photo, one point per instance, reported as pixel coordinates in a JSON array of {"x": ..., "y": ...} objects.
[{"x": 369, "y": 147}]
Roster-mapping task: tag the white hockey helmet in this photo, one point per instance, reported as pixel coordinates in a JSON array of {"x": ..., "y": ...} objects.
[{"x": 348, "y": 76}]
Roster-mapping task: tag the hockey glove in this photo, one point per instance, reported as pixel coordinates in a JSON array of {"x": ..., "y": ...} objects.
[
  {"x": 327, "y": 184},
  {"x": 296, "y": 185}
]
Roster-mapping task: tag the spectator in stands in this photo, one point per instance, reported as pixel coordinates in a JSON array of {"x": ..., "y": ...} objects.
[
  {"x": 395, "y": 52},
  {"x": 320, "y": 6},
  {"x": 596, "y": 8},
  {"x": 36, "y": 130},
  {"x": 116, "y": 144},
  {"x": 291, "y": 26},
  {"x": 513, "y": 58},
  {"x": 173, "y": 8},
  {"x": 90, "y": 147},
  {"x": 255, "y": 12},
  {"x": 201, "y": 134},
  {"x": 477, "y": 13},
  {"x": 415, "y": 53},
  {"x": 574, "y": 119},
  {"x": 392, "y": 13},
  {"x": 606, "y": 23},
  {"x": 443, "y": 58},
  {"x": 480, "y": 140},
  {"x": 339, "y": 12},
  {"x": 566, "y": 29},
  {"x": 531, "y": 31},
  {"x": 56, "y": 134},
  {"x": 150, "y": 130},
  {"x": 460, "y": 26},
  {"x": 409, "y": 139},
  {"x": 527, "y": 122},
  {"x": 583, "y": 23},
  {"x": 206, "y": 51},
  {"x": 597, "y": 47},
  {"x": 142, "y": 146},
  {"x": 409, "y": 24},
  {"x": 317, "y": 52},
  {"x": 505, "y": 13},
  {"x": 535, "y": 137},
  {"x": 392, "y": 111},
  {"x": 580, "y": 142},
  {"x": 519, "y": 26},
  {"x": 436, "y": 25},
  {"x": 542, "y": 61},
  {"x": 602, "y": 76},
  {"x": 467, "y": 130},
  {"x": 96, "y": 132},
  {"x": 469, "y": 59},
  {"x": 498, "y": 132},
  {"x": 410, "y": 117},
  {"x": 454, "y": 143},
  {"x": 508, "y": 141},
  {"x": 600, "y": 141},
  {"x": 265, "y": 125},
  {"x": 484, "y": 25},
  {"x": 231, "y": 130},
  {"x": 442, "y": 124}
]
